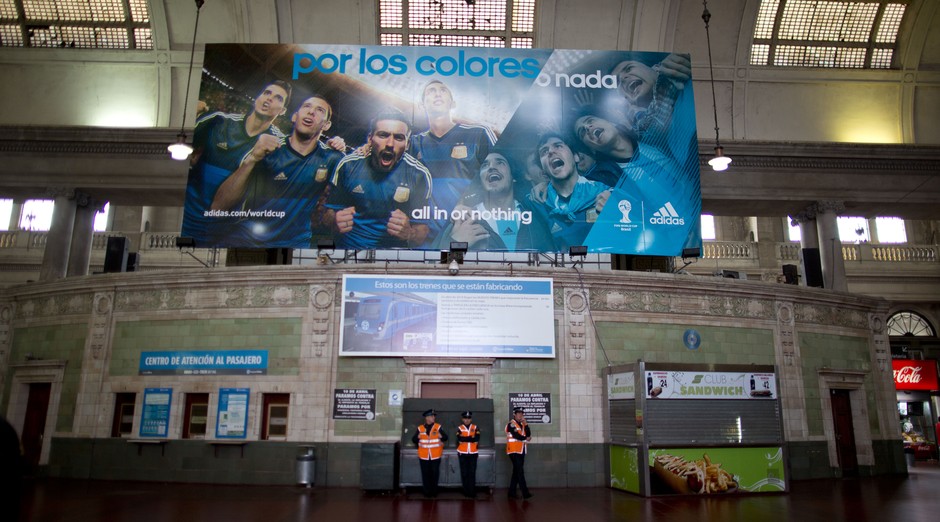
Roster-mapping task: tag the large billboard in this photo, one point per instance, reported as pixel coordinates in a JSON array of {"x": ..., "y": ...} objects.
[{"x": 416, "y": 147}]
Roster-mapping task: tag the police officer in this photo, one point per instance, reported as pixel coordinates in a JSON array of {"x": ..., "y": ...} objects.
[
  {"x": 430, "y": 438},
  {"x": 518, "y": 436},
  {"x": 468, "y": 441}
]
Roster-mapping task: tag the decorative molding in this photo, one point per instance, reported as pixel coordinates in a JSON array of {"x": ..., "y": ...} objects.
[
  {"x": 213, "y": 298},
  {"x": 829, "y": 207},
  {"x": 831, "y": 316},
  {"x": 604, "y": 299},
  {"x": 321, "y": 316},
  {"x": 54, "y": 306},
  {"x": 742, "y": 161}
]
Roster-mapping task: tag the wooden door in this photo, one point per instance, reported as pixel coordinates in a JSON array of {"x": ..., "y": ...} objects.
[
  {"x": 122, "y": 423},
  {"x": 275, "y": 412},
  {"x": 844, "y": 432},
  {"x": 34, "y": 425},
  {"x": 196, "y": 416}
]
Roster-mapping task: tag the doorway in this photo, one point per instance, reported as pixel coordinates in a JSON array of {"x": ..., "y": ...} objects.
[
  {"x": 844, "y": 431},
  {"x": 196, "y": 416},
  {"x": 34, "y": 423}
]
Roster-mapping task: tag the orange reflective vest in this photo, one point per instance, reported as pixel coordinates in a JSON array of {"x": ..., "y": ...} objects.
[
  {"x": 514, "y": 445},
  {"x": 467, "y": 431},
  {"x": 430, "y": 446}
]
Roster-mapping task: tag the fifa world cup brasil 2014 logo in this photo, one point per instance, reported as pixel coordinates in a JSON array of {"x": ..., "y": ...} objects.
[{"x": 625, "y": 207}]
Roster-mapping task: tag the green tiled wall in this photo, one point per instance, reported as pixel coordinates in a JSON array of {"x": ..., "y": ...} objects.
[
  {"x": 527, "y": 375},
  {"x": 662, "y": 343},
  {"x": 381, "y": 374},
  {"x": 839, "y": 352},
  {"x": 63, "y": 342},
  {"x": 281, "y": 337}
]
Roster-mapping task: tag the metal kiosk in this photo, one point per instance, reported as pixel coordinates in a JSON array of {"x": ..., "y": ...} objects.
[{"x": 694, "y": 429}]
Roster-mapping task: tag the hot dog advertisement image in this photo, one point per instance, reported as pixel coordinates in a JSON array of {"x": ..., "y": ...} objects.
[{"x": 716, "y": 471}]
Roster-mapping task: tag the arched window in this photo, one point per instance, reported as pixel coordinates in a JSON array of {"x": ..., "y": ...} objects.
[
  {"x": 831, "y": 33},
  {"x": 83, "y": 24},
  {"x": 481, "y": 23},
  {"x": 907, "y": 324}
]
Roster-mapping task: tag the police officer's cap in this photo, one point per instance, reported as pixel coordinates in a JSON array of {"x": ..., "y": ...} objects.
[
  {"x": 429, "y": 413},
  {"x": 466, "y": 415},
  {"x": 517, "y": 409}
]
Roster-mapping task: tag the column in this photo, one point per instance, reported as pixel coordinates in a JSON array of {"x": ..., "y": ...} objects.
[
  {"x": 55, "y": 258},
  {"x": 809, "y": 238},
  {"x": 83, "y": 234},
  {"x": 128, "y": 220},
  {"x": 830, "y": 246},
  {"x": 767, "y": 232},
  {"x": 15, "y": 212},
  {"x": 162, "y": 219}
]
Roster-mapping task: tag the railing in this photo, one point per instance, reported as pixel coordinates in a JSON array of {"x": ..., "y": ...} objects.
[
  {"x": 718, "y": 250},
  {"x": 904, "y": 253},
  {"x": 728, "y": 250},
  {"x": 851, "y": 252},
  {"x": 788, "y": 251}
]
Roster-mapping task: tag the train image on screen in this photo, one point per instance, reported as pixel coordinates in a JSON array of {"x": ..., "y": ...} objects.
[{"x": 383, "y": 316}]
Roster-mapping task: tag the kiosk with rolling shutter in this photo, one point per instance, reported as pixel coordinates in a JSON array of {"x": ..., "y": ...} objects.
[{"x": 694, "y": 429}]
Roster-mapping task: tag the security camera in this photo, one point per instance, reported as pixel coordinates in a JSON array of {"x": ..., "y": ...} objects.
[{"x": 453, "y": 268}]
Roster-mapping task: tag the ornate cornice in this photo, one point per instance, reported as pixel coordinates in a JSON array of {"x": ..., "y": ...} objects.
[{"x": 86, "y": 140}]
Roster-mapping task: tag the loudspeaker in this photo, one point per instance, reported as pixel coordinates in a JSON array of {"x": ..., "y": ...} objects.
[
  {"x": 133, "y": 261},
  {"x": 812, "y": 268},
  {"x": 791, "y": 274},
  {"x": 115, "y": 257}
]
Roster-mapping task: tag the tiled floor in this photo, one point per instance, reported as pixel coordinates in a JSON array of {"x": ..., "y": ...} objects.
[{"x": 915, "y": 498}]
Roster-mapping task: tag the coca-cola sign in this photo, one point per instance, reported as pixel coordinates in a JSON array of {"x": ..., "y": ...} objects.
[{"x": 915, "y": 375}]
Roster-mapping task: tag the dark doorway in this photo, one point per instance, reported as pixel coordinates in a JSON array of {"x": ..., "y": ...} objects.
[
  {"x": 34, "y": 425},
  {"x": 844, "y": 432},
  {"x": 196, "y": 416},
  {"x": 123, "y": 421},
  {"x": 275, "y": 411}
]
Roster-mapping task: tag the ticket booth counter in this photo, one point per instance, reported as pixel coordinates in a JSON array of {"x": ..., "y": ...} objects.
[
  {"x": 448, "y": 416},
  {"x": 694, "y": 429}
]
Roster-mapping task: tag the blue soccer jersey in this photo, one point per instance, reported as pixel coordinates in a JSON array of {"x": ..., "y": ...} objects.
[
  {"x": 570, "y": 218},
  {"x": 376, "y": 195},
  {"x": 654, "y": 209},
  {"x": 280, "y": 197},
  {"x": 223, "y": 142},
  {"x": 454, "y": 161}
]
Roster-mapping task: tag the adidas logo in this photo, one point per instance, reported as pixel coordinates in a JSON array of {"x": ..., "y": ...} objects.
[
  {"x": 556, "y": 228},
  {"x": 509, "y": 232},
  {"x": 358, "y": 190},
  {"x": 667, "y": 215},
  {"x": 280, "y": 177}
]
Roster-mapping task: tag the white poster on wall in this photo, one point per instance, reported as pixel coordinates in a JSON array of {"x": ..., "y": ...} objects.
[{"x": 447, "y": 317}]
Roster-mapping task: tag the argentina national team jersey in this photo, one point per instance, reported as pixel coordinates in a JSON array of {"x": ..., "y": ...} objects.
[
  {"x": 569, "y": 219},
  {"x": 454, "y": 161},
  {"x": 654, "y": 207},
  {"x": 223, "y": 143},
  {"x": 280, "y": 198},
  {"x": 375, "y": 196}
]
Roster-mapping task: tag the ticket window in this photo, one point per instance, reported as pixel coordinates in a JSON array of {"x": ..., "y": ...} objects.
[
  {"x": 123, "y": 422},
  {"x": 196, "y": 416},
  {"x": 276, "y": 410}
]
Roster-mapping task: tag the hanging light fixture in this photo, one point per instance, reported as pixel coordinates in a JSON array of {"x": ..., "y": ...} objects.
[
  {"x": 181, "y": 150},
  {"x": 720, "y": 161}
]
